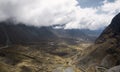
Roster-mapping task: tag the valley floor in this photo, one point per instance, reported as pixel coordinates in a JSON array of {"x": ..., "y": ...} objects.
[{"x": 45, "y": 57}]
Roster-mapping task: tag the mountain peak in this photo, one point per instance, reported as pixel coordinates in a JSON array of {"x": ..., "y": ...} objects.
[{"x": 115, "y": 24}]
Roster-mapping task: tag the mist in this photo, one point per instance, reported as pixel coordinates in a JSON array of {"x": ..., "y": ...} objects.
[{"x": 51, "y": 12}]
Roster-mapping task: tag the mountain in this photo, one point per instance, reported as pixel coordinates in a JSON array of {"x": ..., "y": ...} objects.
[
  {"x": 84, "y": 34},
  {"x": 11, "y": 33},
  {"x": 93, "y": 33},
  {"x": 104, "y": 55},
  {"x": 41, "y": 49},
  {"x": 20, "y": 33},
  {"x": 48, "y": 54}
]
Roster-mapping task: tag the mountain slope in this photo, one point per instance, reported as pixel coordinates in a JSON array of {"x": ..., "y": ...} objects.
[
  {"x": 11, "y": 33},
  {"x": 78, "y": 34},
  {"x": 105, "y": 53},
  {"x": 21, "y": 33}
]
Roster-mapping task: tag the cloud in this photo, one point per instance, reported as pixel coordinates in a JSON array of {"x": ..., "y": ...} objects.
[
  {"x": 111, "y": 7},
  {"x": 53, "y": 12},
  {"x": 37, "y": 12},
  {"x": 95, "y": 18}
]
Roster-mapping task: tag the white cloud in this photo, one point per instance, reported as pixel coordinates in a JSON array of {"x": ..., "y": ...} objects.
[
  {"x": 50, "y": 12},
  {"x": 111, "y": 7}
]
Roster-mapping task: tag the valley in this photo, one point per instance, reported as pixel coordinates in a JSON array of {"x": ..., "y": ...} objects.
[
  {"x": 45, "y": 57},
  {"x": 59, "y": 35},
  {"x": 32, "y": 49}
]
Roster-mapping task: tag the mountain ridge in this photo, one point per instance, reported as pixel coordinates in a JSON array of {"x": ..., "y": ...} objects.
[
  {"x": 105, "y": 52},
  {"x": 20, "y": 34}
]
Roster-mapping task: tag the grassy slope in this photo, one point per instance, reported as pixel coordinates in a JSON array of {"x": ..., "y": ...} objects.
[{"x": 39, "y": 58}]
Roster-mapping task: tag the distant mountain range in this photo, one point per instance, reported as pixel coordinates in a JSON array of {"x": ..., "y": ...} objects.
[{"x": 11, "y": 33}]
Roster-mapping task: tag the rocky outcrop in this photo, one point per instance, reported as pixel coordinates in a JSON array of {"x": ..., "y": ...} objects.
[{"x": 114, "y": 69}]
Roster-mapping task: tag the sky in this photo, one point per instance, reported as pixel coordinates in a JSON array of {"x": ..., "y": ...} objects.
[{"x": 70, "y": 14}]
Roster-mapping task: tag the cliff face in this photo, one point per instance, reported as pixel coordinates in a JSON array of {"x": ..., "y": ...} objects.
[{"x": 105, "y": 53}]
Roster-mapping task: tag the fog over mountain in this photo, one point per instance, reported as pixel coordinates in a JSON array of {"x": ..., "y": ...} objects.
[
  {"x": 59, "y": 35},
  {"x": 72, "y": 13},
  {"x": 11, "y": 33}
]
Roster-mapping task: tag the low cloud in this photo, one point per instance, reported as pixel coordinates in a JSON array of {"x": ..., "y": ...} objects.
[{"x": 58, "y": 12}]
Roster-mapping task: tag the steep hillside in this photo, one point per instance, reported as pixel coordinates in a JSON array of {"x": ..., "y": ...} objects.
[
  {"x": 21, "y": 33},
  {"x": 105, "y": 53},
  {"x": 11, "y": 33}
]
